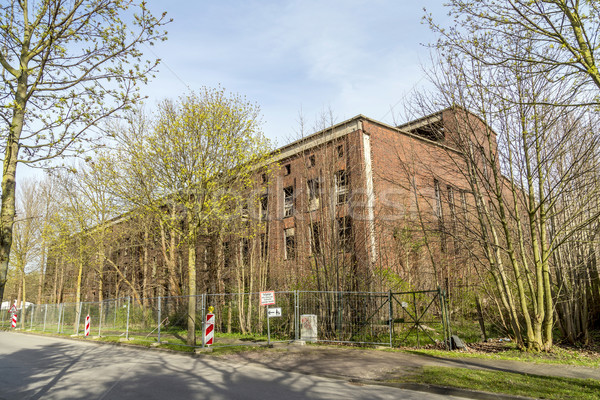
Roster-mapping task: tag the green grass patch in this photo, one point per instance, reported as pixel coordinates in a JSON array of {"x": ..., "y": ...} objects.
[
  {"x": 225, "y": 350},
  {"x": 556, "y": 356},
  {"x": 542, "y": 387}
]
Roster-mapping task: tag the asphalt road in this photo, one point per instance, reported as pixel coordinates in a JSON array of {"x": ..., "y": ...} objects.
[{"x": 35, "y": 367}]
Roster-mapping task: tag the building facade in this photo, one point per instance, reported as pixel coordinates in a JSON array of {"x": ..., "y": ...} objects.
[{"x": 357, "y": 199}]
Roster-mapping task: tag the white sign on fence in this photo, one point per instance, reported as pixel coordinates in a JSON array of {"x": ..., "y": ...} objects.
[
  {"x": 267, "y": 298},
  {"x": 274, "y": 312}
]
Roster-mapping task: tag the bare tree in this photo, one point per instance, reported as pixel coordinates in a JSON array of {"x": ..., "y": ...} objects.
[{"x": 66, "y": 65}]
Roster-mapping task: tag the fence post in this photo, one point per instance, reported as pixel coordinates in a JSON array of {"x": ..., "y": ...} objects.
[
  {"x": 203, "y": 319},
  {"x": 59, "y": 317},
  {"x": 100, "y": 308},
  {"x": 159, "y": 318},
  {"x": 340, "y": 312},
  {"x": 417, "y": 322},
  {"x": 79, "y": 318},
  {"x": 127, "y": 326},
  {"x": 45, "y": 314},
  {"x": 296, "y": 316},
  {"x": 31, "y": 320},
  {"x": 391, "y": 317},
  {"x": 447, "y": 313},
  {"x": 443, "y": 313}
]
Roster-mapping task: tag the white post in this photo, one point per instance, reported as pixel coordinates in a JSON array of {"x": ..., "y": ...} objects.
[
  {"x": 268, "y": 328},
  {"x": 45, "y": 313},
  {"x": 31, "y": 321},
  {"x": 159, "y": 318},
  {"x": 127, "y": 328},
  {"x": 79, "y": 317},
  {"x": 100, "y": 308}
]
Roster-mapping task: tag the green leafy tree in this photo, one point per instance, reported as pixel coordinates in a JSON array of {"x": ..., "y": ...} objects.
[
  {"x": 194, "y": 166},
  {"x": 66, "y": 65}
]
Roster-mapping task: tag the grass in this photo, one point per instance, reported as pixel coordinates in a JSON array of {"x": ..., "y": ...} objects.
[
  {"x": 542, "y": 387},
  {"x": 556, "y": 356}
]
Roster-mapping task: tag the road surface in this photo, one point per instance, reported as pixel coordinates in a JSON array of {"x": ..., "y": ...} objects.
[{"x": 42, "y": 367}]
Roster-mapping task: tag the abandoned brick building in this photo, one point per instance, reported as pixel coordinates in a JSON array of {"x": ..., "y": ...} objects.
[
  {"x": 360, "y": 205},
  {"x": 354, "y": 199}
]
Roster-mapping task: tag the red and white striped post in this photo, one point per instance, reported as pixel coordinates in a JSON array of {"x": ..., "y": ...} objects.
[
  {"x": 14, "y": 321},
  {"x": 209, "y": 329},
  {"x": 87, "y": 325}
]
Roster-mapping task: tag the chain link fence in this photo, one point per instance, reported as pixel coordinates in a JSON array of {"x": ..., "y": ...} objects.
[{"x": 365, "y": 318}]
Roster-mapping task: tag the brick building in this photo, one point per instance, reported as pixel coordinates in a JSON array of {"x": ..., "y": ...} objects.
[
  {"x": 360, "y": 205},
  {"x": 353, "y": 200}
]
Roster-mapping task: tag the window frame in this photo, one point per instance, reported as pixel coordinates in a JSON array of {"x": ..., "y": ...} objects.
[
  {"x": 288, "y": 201},
  {"x": 342, "y": 191}
]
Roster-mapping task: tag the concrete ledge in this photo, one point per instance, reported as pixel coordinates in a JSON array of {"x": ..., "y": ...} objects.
[
  {"x": 125, "y": 339},
  {"x": 444, "y": 390},
  {"x": 203, "y": 350}
]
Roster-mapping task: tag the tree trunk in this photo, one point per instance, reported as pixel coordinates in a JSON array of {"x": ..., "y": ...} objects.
[{"x": 192, "y": 240}]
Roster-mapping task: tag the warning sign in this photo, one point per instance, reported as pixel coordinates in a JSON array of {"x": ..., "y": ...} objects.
[
  {"x": 274, "y": 312},
  {"x": 267, "y": 298}
]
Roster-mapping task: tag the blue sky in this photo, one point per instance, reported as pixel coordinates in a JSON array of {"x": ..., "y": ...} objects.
[{"x": 292, "y": 56}]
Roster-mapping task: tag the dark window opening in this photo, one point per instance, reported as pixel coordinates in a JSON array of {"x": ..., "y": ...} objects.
[
  {"x": 288, "y": 201},
  {"x": 290, "y": 244},
  {"x": 315, "y": 238},
  {"x": 433, "y": 132},
  {"x": 314, "y": 194},
  {"x": 345, "y": 233},
  {"x": 287, "y": 169},
  {"x": 264, "y": 204},
  {"x": 311, "y": 161},
  {"x": 263, "y": 246},
  {"x": 340, "y": 151}
]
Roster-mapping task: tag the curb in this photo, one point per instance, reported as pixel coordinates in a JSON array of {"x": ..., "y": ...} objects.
[{"x": 445, "y": 390}]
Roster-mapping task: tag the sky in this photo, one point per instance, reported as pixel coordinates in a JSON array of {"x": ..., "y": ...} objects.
[{"x": 297, "y": 57}]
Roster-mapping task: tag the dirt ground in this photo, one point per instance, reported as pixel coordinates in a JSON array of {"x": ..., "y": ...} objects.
[{"x": 382, "y": 365}]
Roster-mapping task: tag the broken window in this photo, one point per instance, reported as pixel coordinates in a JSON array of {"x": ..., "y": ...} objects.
[
  {"x": 263, "y": 246},
  {"x": 288, "y": 201},
  {"x": 345, "y": 233},
  {"x": 315, "y": 238},
  {"x": 342, "y": 186},
  {"x": 290, "y": 243},
  {"x": 264, "y": 204},
  {"x": 314, "y": 193},
  {"x": 438, "y": 200},
  {"x": 452, "y": 207}
]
